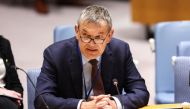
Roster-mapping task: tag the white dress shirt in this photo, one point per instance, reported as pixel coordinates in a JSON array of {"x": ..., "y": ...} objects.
[{"x": 2, "y": 73}]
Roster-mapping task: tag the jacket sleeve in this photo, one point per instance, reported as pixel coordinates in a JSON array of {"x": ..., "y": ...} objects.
[
  {"x": 136, "y": 94},
  {"x": 11, "y": 79},
  {"x": 47, "y": 87}
]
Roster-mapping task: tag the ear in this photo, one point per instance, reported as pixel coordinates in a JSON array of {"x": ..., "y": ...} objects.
[
  {"x": 77, "y": 31},
  {"x": 110, "y": 35}
]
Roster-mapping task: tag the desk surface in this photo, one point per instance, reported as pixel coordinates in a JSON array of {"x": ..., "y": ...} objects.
[{"x": 163, "y": 106}]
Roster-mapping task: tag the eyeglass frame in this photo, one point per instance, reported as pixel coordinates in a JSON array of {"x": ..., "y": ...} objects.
[{"x": 94, "y": 39}]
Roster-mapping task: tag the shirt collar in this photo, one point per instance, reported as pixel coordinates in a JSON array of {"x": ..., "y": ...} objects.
[{"x": 85, "y": 60}]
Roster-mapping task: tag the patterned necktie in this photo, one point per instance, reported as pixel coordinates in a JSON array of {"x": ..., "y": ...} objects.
[{"x": 96, "y": 78}]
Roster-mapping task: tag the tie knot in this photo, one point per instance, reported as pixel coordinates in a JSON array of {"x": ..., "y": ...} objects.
[{"x": 93, "y": 62}]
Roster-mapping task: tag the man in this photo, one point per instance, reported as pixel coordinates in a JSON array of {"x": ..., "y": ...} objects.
[{"x": 67, "y": 78}]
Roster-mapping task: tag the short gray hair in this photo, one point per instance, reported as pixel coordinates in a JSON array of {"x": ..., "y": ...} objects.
[{"x": 95, "y": 14}]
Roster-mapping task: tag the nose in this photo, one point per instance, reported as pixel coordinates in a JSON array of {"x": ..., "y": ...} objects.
[{"x": 92, "y": 42}]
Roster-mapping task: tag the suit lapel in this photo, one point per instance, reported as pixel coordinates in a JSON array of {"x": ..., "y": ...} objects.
[
  {"x": 76, "y": 69},
  {"x": 107, "y": 68}
]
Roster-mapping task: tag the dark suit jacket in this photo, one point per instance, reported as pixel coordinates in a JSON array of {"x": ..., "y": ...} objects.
[
  {"x": 60, "y": 81},
  {"x": 11, "y": 78}
]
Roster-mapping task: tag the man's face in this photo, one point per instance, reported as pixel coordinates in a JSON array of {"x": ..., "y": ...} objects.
[{"x": 86, "y": 32}]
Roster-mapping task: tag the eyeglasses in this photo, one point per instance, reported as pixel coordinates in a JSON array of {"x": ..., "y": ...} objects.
[{"x": 96, "y": 40}]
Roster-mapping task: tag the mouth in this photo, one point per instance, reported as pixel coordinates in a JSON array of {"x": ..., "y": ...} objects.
[{"x": 92, "y": 49}]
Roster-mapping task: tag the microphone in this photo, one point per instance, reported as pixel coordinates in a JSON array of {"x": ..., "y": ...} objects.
[
  {"x": 115, "y": 83},
  {"x": 17, "y": 68}
]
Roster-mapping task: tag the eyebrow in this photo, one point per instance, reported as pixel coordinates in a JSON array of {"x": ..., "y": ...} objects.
[
  {"x": 101, "y": 33},
  {"x": 84, "y": 30}
]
